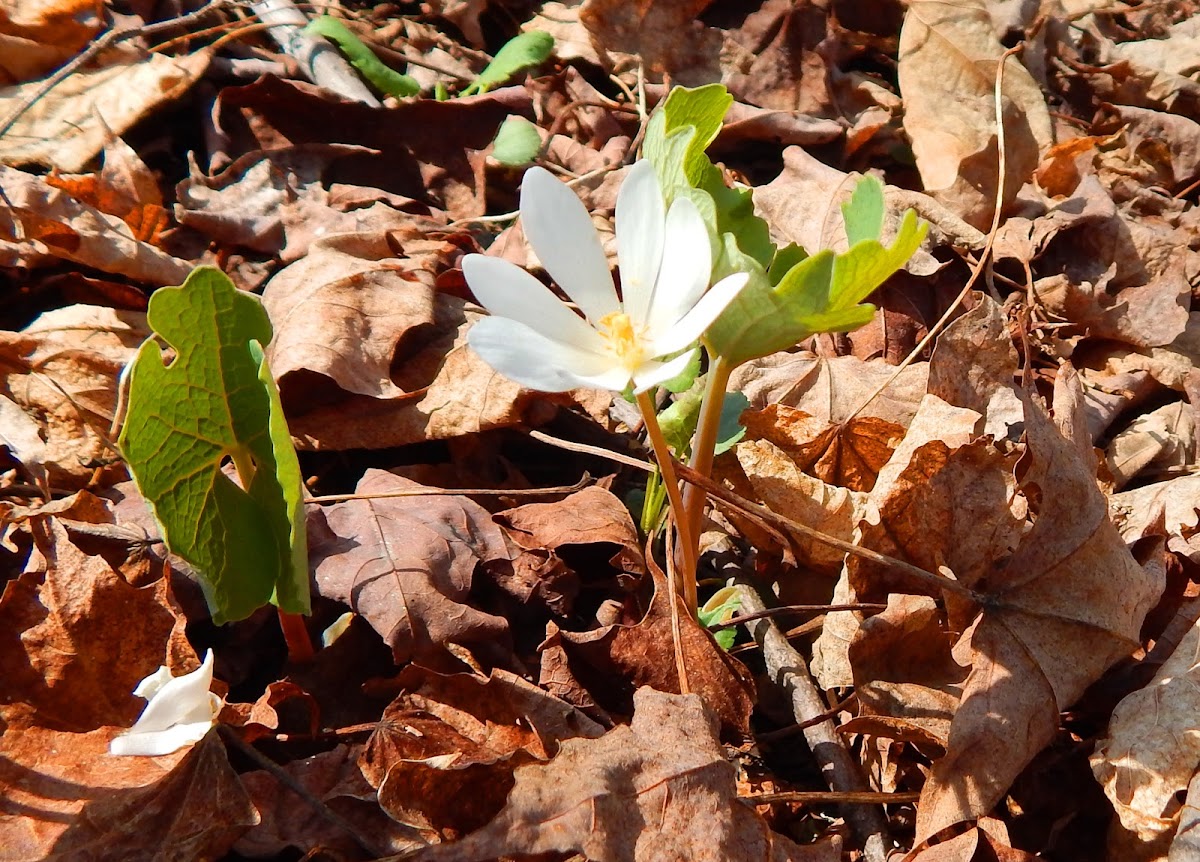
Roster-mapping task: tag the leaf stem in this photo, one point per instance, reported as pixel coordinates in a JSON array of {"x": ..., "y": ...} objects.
[
  {"x": 705, "y": 442},
  {"x": 295, "y": 635},
  {"x": 686, "y": 574}
]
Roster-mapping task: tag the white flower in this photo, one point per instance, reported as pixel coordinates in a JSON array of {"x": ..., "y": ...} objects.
[
  {"x": 535, "y": 339},
  {"x": 181, "y": 710}
]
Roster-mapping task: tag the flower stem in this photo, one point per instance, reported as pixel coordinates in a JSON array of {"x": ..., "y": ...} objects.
[
  {"x": 686, "y": 574},
  {"x": 704, "y": 444}
]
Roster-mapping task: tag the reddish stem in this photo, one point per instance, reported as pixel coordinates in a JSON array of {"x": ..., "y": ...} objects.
[{"x": 295, "y": 633}]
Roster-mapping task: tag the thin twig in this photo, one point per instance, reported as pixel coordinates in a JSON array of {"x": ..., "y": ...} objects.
[
  {"x": 788, "y": 670},
  {"x": 820, "y": 797},
  {"x": 456, "y": 492},
  {"x": 599, "y": 452}
]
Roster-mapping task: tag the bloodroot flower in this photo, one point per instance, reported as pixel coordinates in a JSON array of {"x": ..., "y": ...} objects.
[
  {"x": 181, "y": 710},
  {"x": 538, "y": 341}
]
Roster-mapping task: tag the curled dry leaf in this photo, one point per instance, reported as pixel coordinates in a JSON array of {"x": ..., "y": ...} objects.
[
  {"x": 443, "y": 755},
  {"x": 947, "y": 73},
  {"x": 37, "y": 37},
  {"x": 62, "y": 369},
  {"x": 1152, "y": 753},
  {"x": 76, "y": 638},
  {"x": 659, "y": 789},
  {"x": 406, "y": 565}
]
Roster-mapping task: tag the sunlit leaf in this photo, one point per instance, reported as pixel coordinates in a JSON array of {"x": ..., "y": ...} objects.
[{"x": 215, "y": 400}]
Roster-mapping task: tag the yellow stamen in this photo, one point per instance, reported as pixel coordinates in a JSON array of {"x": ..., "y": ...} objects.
[{"x": 617, "y": 330}]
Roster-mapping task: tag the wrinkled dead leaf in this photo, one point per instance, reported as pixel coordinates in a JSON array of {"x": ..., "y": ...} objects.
[{"x": 659, "y": 789}]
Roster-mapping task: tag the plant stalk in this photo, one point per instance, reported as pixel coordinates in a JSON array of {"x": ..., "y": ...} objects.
[
  {"x": 686, "y": 573},
  {"x": 704, "y": 444}
]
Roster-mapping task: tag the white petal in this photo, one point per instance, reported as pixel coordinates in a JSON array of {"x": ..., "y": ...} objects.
[
  {"x": 159, "y": 742},
  {"x": 506, "y": 290},
  {"x": 558, "y": 227},
  {"x": 703, "y": 313},
  {"x": 654, "y": 373},
  {"x": 640, "y": 232},
  {"x": 527, "y": 357},
  {"x": 149, "y": 686},
  {"x": 686, "y": 266},
  {"x": 182, "y": 699}
]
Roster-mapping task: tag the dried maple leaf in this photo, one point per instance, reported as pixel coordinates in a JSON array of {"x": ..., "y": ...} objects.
[
  {"x": 659, "y": 789},
  {"x": 406, "y": 564}
]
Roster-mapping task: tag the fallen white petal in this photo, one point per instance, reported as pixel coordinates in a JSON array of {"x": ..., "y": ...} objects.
[
  {"x": 640, "y": 230},
  {"x": 558, "y": 226},
  {"x": 180, "y": 711}
]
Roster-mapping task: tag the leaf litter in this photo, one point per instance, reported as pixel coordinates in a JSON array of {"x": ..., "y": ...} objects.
[{"x": 505, "y": 685}]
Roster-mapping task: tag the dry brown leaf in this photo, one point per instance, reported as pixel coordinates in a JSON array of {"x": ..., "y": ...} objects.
[
  {"x": 66, "y": 128},
  {"x": 406, "y": 564},
  {"x": 947, "y": 73},
  {"x": 1166, "y": 66},
  {"x": 786, "y": 68},
  {"x": 46, "y": 225},
  {"x": 1176, "y": 502},
  {"x": 77, "y": 638},
  {"x": 66, "y": 798},
  {"x": 659, "y": 789},
  {"x": 830, "y": 390},
  {"x": 1061, "y": 608},
  {"x": 344, "y": 309},
  {"x": 1162, "y": 438},
  {"x": 1151, "y": 753},
  {"x": 782, "y": 485},
  {"x": 443, "y": 755},
  {"x": 62, "y": 370},
  {"x": 36, "y": 36},
  {"x": 335, "y": 779},
  {"x": 275, "y": 201},
  {"x": 849, "y": 454},
  {"x": 565, "y": 543},
  {"x": 665, "y": 34},
  {"x": 614, "y": 659}
]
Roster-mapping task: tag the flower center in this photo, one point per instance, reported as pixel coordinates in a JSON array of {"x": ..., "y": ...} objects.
[{"x": 617, "y": 330}]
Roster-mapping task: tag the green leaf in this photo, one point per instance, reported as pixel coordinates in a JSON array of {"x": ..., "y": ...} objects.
[
  {"x": 700, "y": 108},
  {"x": 678, "y": 419},
  {"x": 731, "y": 430},
  {"x": 863, "y": 213},
  {"x": 216, "y": 399},
  {"x": 721, "y": 608},
  {"x": 521, "y": 52},
  {"x": 785, "y": 259},
  {"x": 379, "y": 75},
  {"x": 517, "y": 142}
]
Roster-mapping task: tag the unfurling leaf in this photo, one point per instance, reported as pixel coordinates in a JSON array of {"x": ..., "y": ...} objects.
[
  {"x": 379, "y": 75},
  {"x": 214, "y": 400},
  {"x": 517, "y": 142},
  {"x": 522, "y": 52}
]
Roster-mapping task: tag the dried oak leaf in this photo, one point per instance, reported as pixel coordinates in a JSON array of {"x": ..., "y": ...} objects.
[
  {"x": 659, "y": 789},
  {"x": 45, "y": 225},
  {"x": 947, "y": 74},
  {"x": 559, "y": 550},
  {"x": 335, "y": 779},
  {"x": 443, "y": 755},
  {"x": 406, "y": 565},
  {"x": 786, "y": 68},
  {"x": 664, "y": 33},
  {"x": 1151, "y": 753},
  {"x": 76, "y": 638},
  {"x": 62, "y": 370},
  {"x": 67, "y": 800},
  {"x": 38, "y": 37}
]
